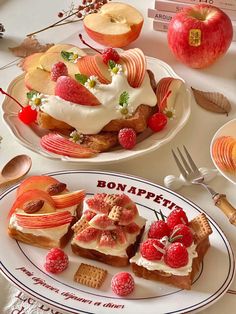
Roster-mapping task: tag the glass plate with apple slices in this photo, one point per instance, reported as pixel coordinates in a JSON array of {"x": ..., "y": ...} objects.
[{"x": 30, "y": 135}]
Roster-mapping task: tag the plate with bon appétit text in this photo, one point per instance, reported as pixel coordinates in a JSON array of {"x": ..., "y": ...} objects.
[
  {"x": 147, "y": 141},
  {"x": 23, "y": 265}
]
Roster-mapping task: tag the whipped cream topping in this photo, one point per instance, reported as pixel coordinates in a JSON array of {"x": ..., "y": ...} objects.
[
  {"x": 119, "y": 250},
  {"x": 54, "y": 233},
  {"x": 91, "y": 119},
  {"x": 162, "y": 266}
]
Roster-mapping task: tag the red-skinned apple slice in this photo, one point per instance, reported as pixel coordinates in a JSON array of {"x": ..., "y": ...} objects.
[
  {"x": 36, "y": 182},
  {"x": 60, "y": 145},
  {"x": 71, "y": 90},
  {"x": 102, "y": 222},
  {"x": 102, "y": 69},
  {"x": 84, "y": 65},
  {"x": 43, "y": 221},
  {"x": 31, "y": 195},
  {"x": 68, "y": 199}
]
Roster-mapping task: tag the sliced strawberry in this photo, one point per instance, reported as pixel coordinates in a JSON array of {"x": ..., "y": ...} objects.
[
  {"x": 60, "y": 145},
  {"x": 68, "y": 199},
  {"x": 102, "y": 221},
  {"x": 71, "y": 90},
  {"x": 31, "y": 195},
  {"x": 43, "y": 221},
  {"x": 132, "y": 228},
  {"x": 88, "y": 235}
]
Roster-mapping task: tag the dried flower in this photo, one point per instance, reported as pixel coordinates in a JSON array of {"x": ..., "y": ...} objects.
[
  {"x": 169, "y": 112},
  {"x": 76, "y": 137},
  {"x": 2, "y": 30}
]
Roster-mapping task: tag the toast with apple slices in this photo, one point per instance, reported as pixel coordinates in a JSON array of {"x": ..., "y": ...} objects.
[
  {"x": 60, "y": 145},
  {"x": 109, "y": 230}
]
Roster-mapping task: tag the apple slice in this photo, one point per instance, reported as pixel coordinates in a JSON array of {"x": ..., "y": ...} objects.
[
  {"x": 71, "y": 90},
  {"x": 32, "y": 61},
  {"x": 68, "y": 199},
  {"x": 167, "y": 91},
  {"x": 33, "y": 195},
  {"x": 58, "y": 144},
  {"x": 44, "y": 221},
  {"x": 84, "y": 65},
  {"x": 102, "y": 69},
  {"x": 223, "y": 151},
  {"x": 40, "y": 80},
  {"x": 60, "y": 47},
  {"x": 114, "y": 25},
  {"x": 36, "y": 182}
]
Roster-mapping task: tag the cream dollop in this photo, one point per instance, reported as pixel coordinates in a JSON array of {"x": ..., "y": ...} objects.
[{"x": 91, "y": 119}]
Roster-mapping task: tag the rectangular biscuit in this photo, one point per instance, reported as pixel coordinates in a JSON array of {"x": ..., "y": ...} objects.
[
  {"x": 80, "y": 225},
  {"x": 115, "y": 213},
  {"x": 90, "y": 275},
  {"x": 201, "y": 227}
]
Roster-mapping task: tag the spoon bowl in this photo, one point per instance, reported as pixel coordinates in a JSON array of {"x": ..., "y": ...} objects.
[{"x": 15, "y": 169}]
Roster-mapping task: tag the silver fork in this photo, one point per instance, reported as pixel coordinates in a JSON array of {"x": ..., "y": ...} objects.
[{"x": 190, "y": 172}]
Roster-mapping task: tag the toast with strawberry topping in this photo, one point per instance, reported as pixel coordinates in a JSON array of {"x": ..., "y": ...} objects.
[{"x": 109, "y": 229}]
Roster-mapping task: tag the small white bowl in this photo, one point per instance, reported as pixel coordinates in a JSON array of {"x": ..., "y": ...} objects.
[{"x": 228, "y": 129}]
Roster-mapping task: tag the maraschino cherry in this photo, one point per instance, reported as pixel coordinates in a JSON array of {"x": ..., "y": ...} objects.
[
  {"x": 107, "y": 54},
  {"x": 26, "y": 114}
]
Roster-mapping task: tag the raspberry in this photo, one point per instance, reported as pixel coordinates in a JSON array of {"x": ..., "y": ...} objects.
[
  {"x": 158, "y": 230},
  {"x": 185, "y": 232},
  {"x": 176, "y": 255},
  {"x": 127, "y": 138},
  {"x": 157, "y": 121},
  {"x": 122, "y": 284},
  {"x": 176, "y": 217},
  {"x": 58, "y": 69},
  {"x": 56, "y": 261},
  {"x": 110, "y": 54},
  {"x": 149, "y": 249}
]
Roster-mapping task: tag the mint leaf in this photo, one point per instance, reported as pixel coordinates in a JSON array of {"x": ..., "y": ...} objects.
[
  {"x": 124, "y": 98},
  {"x": 66, "y": 55},
  {"x": 31, "y": 94},
  {"x": 81, "y": 78},
  {"x": 111, "y": 64}
]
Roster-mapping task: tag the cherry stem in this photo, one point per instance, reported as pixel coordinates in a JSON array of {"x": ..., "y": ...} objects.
[
  {"x": 86, "y": 44},
  {"x": 165, "y": 97},
  {"x": 5, "y": 93}
]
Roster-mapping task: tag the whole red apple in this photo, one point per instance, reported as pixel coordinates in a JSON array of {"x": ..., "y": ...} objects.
[{"x": 199, "y": 35}]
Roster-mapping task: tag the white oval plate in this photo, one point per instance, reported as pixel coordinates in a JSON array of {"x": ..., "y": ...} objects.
[
  {"x": 228, "y": 129},
  {"x": 29, "y": 136},
  {"x": 149, "y": 297}
]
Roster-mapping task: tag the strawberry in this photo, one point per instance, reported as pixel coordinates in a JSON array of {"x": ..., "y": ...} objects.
[
  {"x": 183, "y": 234},
  {"x": 122, "y": 284},
  {"x": 127, "y": 138},
  {"x": 60, "y": 145},
  {"x": 58, "y": 69},
  {"x": 71, "y": 90},
  {"x": 110, "y": 54},
  {"x": 176, "y": 255},
  {"x": 89, "y": 234},
  {"x": 56, "y": 261},
  {"x": 152, "y": 249},
  {"x": 158, "y": 230},
  {"x": 177, "y": 216}
]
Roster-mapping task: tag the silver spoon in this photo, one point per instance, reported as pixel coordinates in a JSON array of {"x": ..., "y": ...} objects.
[{"x": 15, "y": 169}]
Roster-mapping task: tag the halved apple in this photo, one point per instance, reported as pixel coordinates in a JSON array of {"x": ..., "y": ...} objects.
[
  {"x": 115, "y": 25},
  {"x": 40, "y": 80}
]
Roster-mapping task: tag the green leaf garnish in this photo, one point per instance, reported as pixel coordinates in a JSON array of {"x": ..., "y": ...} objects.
[
  {"x": 67, "y": 55},
  {"x": 124, "y": 98},
  {"x": 81, "y": 78},
  {"x": 111, "y": 64},
  {"x": 31, "y": 94}
]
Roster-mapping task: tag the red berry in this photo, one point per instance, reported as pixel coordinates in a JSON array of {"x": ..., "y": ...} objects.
[
  {"x": 150, "y": 249},
  {"x": 110, "y": 54},
  {"x": 127, "y": 138},
  {"x": 185, "y": 232},
  {"x": 27, "y": 115},
  {"x": 176, "y": 255},
  {"x": 157, "y": 121},
  {"x": 122, "y": 284},
  {"x": 58, "y": 69},
  {"x": 56, "y": 261},
  {"x": 176, "y": 217},
  {"x": 158, "y": 230}
]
